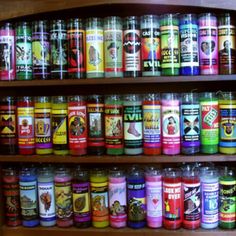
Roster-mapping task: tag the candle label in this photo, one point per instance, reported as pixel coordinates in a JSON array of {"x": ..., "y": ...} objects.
[
  {"x": 28, "y": 200},
  {"x": 7, "y": 52},
  {"x": 133, "y": 125},
  {"x": 59, "y": 126},
  {"x": 208, "y": 43},
  {"x": 151, "y": 50},
  {"x": 227, "y": 47},
  {"x": 76, "y": 53},
  {"x": 117, "y": 202},
  {"x": 94, "y": 51},
  {"x": 46, "y": 196},
  {"x": 154, "y": 199},
  {"x": 114, "y": 126},
  {"x": 96, "y": 122},
  {"x": 12, "y": 202},
  {"x": 43, "y": 128},
  {"x": 113, "y": 50},
  {"x": 132, "y": 46},
  {"x": 227, "y": 201},
  {"x": 172, "y": 201},
  {"x": 209, "y": 123},
  {"x": 136, "y": 202},
  {"x": 26, "y": 127},
  {"x": 189, "y": 45},
  {"x": 8, "y": 124},
  {"x": 210, "y": 199},
  {"x": 170, "y": 46},
  {"x": 58, "y": 44},
  {"x": 152, "y": 126},
  {"x": 63, "y": 195},
  {"x": 99, "y": 195},
  {"x": 81, "y": 202},
  {"x": 77, "y": 127},
  {"x": 170, "y": 121},
  {"x": 190, "y": 128},
  {"x": 24, "y": 61},
  {"x": 41, "y": 53},
  {"x": 227, "y": 126},
  {"x": 192, "y": 201}
]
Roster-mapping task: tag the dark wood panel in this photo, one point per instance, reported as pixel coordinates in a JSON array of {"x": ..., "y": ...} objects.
[
  {"x": 13, "y": 8},
  {"x": 141, "y": 159},
  {"x": 20, "y": 231}
]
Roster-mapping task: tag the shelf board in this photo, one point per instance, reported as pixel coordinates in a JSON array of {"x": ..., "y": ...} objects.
[
  {"x": 13, "y": 8},
  {"x": 106, "y": 159},
  {"x": 55, "y": 231},
  {"x": 113, "y": 81}
]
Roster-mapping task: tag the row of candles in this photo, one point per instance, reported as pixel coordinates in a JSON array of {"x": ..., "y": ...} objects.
[
  {"x": 130, "y": 124},
  {"x": 152, "y": 46},
  {"x": 190, "y": 196}
]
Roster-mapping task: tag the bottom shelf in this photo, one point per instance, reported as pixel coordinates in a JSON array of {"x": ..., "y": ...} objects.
[{"x": 55, "y": 231}]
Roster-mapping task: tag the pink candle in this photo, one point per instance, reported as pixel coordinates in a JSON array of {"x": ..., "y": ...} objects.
[
  {"x": 170, "y": 124},
  {"x": 153, "y": 180}
]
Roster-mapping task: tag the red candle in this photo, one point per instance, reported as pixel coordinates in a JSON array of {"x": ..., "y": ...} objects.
[
  {"x": 152, "y": 124},
  {"x": 172, "y": 198},
  {"x": 77, "y": 115},
  {"x": 192, "y": 199},
  {"x": 25, "y": 118}
]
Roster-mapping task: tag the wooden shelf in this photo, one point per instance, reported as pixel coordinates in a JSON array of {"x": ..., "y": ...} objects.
[
  {"x": 38, "y": 231},
  {"x": 105, "y": 159},
  {"x": 122, "y": 81},
  {"x": 13, "y": 8}
]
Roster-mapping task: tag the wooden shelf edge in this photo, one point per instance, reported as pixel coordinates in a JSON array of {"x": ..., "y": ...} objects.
[
  {"x": 106, "y": 159},
  {"x": 13, "y": 8},
  {"x": 108, "y": 81},
  {"x": 21, "y": 231}
]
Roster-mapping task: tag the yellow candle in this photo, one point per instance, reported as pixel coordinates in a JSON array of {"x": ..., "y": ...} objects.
[
  {"x": 59, "y": 125},
  {"x": 99, "y": 198},
  {"x": 43, "y": 134}
]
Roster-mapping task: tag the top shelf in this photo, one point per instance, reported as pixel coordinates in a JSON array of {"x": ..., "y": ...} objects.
[{"x": 17, "y": 8}]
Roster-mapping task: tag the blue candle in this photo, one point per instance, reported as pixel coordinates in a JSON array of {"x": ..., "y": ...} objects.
[
  {"x": 189, "y": 57},
  {"x": 136, "y": 198},
  {"x": 28, "y": 197}
]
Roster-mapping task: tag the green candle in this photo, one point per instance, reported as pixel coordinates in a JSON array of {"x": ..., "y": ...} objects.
[
  {"x": 170, "y": 55},
  {"x": 209, "y": 123},
  {"x": 227, "y": 107}
]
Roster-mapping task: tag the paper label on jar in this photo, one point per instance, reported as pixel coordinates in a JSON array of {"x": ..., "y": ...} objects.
[
  {"x": 99, "y": 201},
  {"x": 227, "y": 125},
  {"x": 63, "y": 195},
  {"x": 81, "y": 201},
  {"x": 192, "y": 201},
  {"x": 117, "y": 202},
  {"x": 209, "y": 123},
  {"x": 152, "y": 125},
  {"x": 136, "y": 201},
  {"x": 114, "y": 126},
  {"x": 172, "y": 201},
  {"x": 46, "y": 196},
  {"x": 132, "y": 50},
  {"x": 94, "y": 51},
  {"x": 154, "y": 199},
  {"x": 210, "y": 202},
  {"x": 190, "y": 127},
  {"x": 28, "y": 200}
]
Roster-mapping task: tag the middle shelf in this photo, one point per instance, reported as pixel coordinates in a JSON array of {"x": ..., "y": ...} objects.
[{"x": 142, "y": 159}]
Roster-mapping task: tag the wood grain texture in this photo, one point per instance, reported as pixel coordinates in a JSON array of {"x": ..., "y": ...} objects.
[
  {"x": 16, "y": 8},
  {"x": 39, "y": 231},
  {"x": 106, "y": 159}
]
